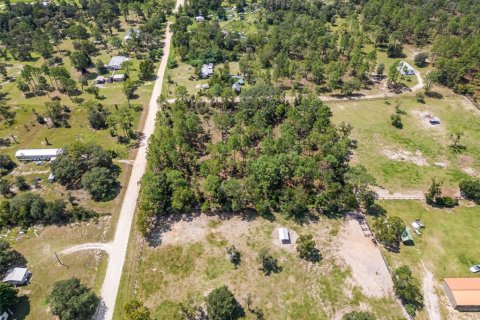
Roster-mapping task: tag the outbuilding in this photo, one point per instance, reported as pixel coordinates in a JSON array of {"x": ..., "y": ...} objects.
[
  {"x": 116, "y": 62},
  {"x": 119, "y": 77},
  {"x": 283, "y": 235},
  {"x": 131, "y": 33},
  {"x": 463, "y": 293},
  {"x": 236, "y": 87},
  {"x": 37, "y": 154},
  {"x": 17, "y": 276},
  {"x": 207, "y": 70},
  {"x": 4, "y": 315},
  {"x": 434, "y": 120},
  {"x": 405, "y": 68},
  {"x": 99, "y": 80},
  {"x": 199, "y": 18}
]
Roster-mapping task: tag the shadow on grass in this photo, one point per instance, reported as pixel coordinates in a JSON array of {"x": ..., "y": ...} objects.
[{"x": 22, "y": 308}]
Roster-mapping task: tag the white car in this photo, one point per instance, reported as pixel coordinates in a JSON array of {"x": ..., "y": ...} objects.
[{"x": 475, "y": 268}]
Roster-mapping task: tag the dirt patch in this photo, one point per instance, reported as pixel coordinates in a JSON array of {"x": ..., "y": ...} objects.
[
  {"x": 424, "y": 118},
  {"x": 368, "y": 268},
  {"x": 407, "y": 156},
  {"x": 408, "y": 194}
]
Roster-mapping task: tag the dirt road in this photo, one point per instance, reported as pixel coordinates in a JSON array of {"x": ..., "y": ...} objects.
[
  {"x": 118, "y": 249},
  {"x": 431, "y": 299},
  {"x": 88, "y": 246}
]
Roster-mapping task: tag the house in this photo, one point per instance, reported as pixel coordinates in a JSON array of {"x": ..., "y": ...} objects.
[
  {"x": 131, "y": 33},
  {"x": 17, "y": 276},
  {"x": 283, "y": 235},
  {"x": 463, "y": 293},
  {"x": 116, "y": 62},
  {"x": 236, "y": 87},
  {"x": 99, "y": 80},
  {"x": 119, "y": 77},
  {"x": 4, "y": 315},
  {"x": 206, "y": 71},
  {"x": 199, "y": 18},
  {"x": 37, "y": 154},
  {"x": 434, "y": 120},
  {"x": 405, "y": 68}
]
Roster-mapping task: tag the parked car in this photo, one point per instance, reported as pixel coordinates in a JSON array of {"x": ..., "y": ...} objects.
[{"x": 475, "y": 268}]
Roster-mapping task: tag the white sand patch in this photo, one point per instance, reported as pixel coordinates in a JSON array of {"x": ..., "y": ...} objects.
[
  {"x": 470, "y": 171},
  {"x": 404, "y": 155}
]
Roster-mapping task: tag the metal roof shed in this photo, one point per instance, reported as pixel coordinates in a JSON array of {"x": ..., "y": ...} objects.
[
  {"x": 37, "y": 154},
  {"x": 16, "y": 276},
  {"x": 283, "y": 235},
  {"x": 116, "y": 62}
]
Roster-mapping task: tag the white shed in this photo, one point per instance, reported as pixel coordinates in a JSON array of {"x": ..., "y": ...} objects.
[
  {"x": 37, "y": 154},
  {"x": 283, "y": 235},
  {"x": 16, "y": 276},
  {"x": 119, "y": 77},
  {"x": 405, "y": 68},
  {"x": 199, "y": 18}
]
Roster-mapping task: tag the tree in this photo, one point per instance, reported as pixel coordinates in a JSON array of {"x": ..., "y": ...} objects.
[
  {"x": 358, "y": 315},
  {"x": 135, "y": 310},
  {"x": 420, "y": 59},
  {"x": 5, "y": 188},
  {"x": 268, "y": 263},
  {"x": 80, "y": 60},
  {"x": 71, "y": 300},
  {"x": 100, "y": 183},
  {"x": 470, "y": 189},
  {"x": 407, "y": 289},
  {"x": 97, "y": 116},
  {"x": 21, "y": 183},
  {"x": 6, "y": 164},
  {"x": 233, "y": 255},
  {"x": 455, "y": 145},
  {"x": 101, "y": 68},
  {"x": 129, "y": 88},
  {"x": 434, "y": 191},
  {"x": 7, "y": 114},
  {"x": 147, "y": 70},
  {"x": 8, "y": 296},
  {"x": 380, "y": 69},
  {"x": 306, "y": 248},
  {"x": 388, "y": 230},
  {"x": 393, "y": 74},
  {"x": 396, "y": 121},
  {"x": 222, "y": 305}
]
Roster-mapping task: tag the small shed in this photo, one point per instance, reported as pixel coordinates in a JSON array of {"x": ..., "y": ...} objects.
[
  {"x": 16, "y": 276},
  {"x": 236, "y": 87},
  {"x": 116, "y": 62},
  {"x": 406, "y": 237},
  {"x": 405, "y": 68},
  {"x": 99, "y": 80},
  {"x": 283, "y": 235},
  {"x": 199, "y": 18},
  {"x": 434, "y": 120},
  {"x": 119, "y": 77}
]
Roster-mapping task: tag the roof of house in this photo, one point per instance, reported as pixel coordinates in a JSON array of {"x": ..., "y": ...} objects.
[
  {"x": 283, "y": 234},
  {"x": 465, "y": 291},
  {"x": 119, "y": 76},
  {"x": 403, "y": 64},
  {"x": 37, "y": 152},
  {"x": 129, "y": 33},
  {"x": 117, "y": 61},
  {"x": 15, "y": 275}
]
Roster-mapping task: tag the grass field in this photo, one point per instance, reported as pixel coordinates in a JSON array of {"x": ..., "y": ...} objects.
[
  {"x": 191, "y": 262},
  {"x": 409, "y": 158},
  {"x": 448, "y": 245}
]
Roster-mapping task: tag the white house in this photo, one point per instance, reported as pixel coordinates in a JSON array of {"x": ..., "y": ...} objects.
[
  {"x": 130, "y": 34},
  {"x": 119, "y": 77},
  {"x": 283, "y": 235},
  {"x": 207, "y": 70},
  {"x": 37, "y": 154},
  {"x": 199, "y": 18},
  {"x": 17, "y": 276},
  {"x": 405, "y": 69},
  {"x": 116, "y": 62}
]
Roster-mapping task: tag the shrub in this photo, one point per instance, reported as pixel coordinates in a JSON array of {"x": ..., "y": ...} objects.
[
  {"x": 21, "y": 183},
  {"x": 470, "y": 189},
  {"x": 358, "y": 315},
  {"x": 221, "y": 305},
  {"x": 306, "y": 248},
  {"x": 396, "y": 121},
  {"x": 6, "y": 164}
]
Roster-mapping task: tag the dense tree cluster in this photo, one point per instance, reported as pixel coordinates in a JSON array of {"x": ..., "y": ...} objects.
[
  {"x": 450, "y": 25},
  {"x": 408, "y": 289},
  {"x": 87, "y": 165},
  {"x": 6, "y": 164},
  {"x": 72, "y": 300},
  {"x": 27, "y": 209},
  {"x": 268, "y": 155},
  {"x": 470, "y": 189}
]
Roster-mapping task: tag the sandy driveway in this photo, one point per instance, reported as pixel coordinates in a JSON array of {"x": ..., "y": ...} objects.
[
  {"x": 119, "y": 245},
  {"x": 368, "y": 268}
]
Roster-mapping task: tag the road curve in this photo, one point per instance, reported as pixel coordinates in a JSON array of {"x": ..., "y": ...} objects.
[
  {"x": 87, "y": 246},
  {"x": 118, "y": 249}
]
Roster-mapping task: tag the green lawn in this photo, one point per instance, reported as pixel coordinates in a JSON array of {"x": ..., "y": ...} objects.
[
  {"x": 376, "y": 136},
  {"x": 448, "y": 245}
]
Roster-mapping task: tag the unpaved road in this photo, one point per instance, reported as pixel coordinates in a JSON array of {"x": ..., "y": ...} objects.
[
  {"x": 88, "y": 246},
  {"x": 119, "y": 245},
  {"x": 431, "y": 299}
]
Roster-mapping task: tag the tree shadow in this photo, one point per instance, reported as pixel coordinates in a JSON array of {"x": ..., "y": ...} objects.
[
  {"x": 376, "y": 210},
  {"x": 164, "y": 224},
  {"x": 433, "y": 94},
  {"x": 22, "y": 308}
]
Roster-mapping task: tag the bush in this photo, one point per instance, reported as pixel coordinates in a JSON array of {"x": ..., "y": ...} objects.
[
  {"x": 5, "y": 189},
  {"x": 233, "y": 255},
  {"x": 268, "y": 263},
  {"x": 396, "y": 121},
  {"x": 470, "y": 189},
  {"x": 358, "y": 315},
  {"x": 6, "y": 164},
  {"x": 306, "y": 248},
  {"x": 407, "y": 289},
  {"x": 21, "y": 183},
  {"x": 71, "y": 300},
  {"x": 221, "y": 305},
  {"x": 420, "y": 59}
]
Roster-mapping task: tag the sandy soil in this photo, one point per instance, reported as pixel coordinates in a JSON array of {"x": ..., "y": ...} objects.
[
  {"x": 368, "y": 268},
  {"x": 431, "y": 299},
  {"x": 404, "y": 155},
  {"x": 385, "y": 194}
]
